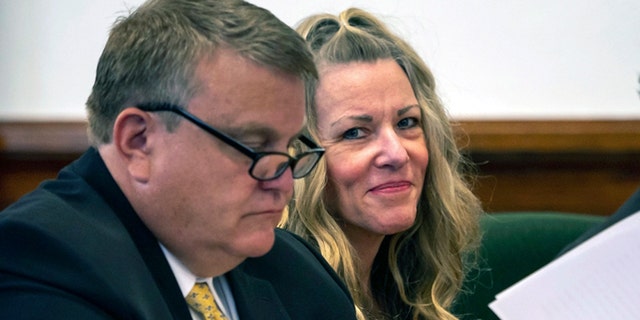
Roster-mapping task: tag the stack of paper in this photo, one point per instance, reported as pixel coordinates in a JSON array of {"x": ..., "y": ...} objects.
[{"x": 599, "y": 279}]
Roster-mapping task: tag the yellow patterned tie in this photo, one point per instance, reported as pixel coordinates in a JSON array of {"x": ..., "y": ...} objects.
[{"x": 201, "y": 299}]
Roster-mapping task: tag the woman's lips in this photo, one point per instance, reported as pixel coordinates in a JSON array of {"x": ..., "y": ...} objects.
[{"x": 389, "y": 187}]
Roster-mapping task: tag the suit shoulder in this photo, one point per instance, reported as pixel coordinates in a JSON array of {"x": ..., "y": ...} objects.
[
  {"x": 306, "y": 284},
  {"x": 289, "y": 238}
]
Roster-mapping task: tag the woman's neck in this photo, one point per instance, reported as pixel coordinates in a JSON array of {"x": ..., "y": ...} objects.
[{"x": 366, "y": 245}]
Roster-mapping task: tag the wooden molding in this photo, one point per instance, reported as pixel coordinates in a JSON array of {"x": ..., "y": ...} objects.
[
  {"x": 550, "y": 136},
  {"x": 490, "y": 136},
  {"x": 36, "y": 137}
]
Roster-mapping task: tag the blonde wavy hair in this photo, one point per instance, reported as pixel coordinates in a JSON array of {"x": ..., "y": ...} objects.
[{"x": 417, "y": 273}]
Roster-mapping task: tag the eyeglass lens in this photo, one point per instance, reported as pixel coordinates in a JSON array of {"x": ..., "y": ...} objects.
[{"x": 271, "y": 166}]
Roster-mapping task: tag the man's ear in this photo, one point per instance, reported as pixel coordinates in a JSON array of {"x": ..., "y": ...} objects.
[{"x": 132, "y": 139}]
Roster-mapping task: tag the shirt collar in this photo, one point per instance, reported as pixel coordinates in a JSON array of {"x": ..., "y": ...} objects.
[{"x": 186, "y": 279}]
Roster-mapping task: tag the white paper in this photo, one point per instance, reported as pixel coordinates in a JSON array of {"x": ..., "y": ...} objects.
[{"x": 599, "y": 279}]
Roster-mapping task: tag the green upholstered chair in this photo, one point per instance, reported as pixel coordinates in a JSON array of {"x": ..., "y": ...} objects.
[{"x": 514, "y": 245}]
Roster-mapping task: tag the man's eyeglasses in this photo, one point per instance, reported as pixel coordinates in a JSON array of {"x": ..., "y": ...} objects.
[{"x": 266, "y": 165}]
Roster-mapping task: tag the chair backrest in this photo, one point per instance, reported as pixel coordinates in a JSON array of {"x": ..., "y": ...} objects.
[{"x": 514, "y": 245}]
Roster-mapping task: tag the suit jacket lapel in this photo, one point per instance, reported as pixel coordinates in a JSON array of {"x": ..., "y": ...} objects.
[{"x": 255, "y": 298}]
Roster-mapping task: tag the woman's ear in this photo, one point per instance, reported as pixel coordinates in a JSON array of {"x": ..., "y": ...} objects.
[{"x": 132, "y": 131}]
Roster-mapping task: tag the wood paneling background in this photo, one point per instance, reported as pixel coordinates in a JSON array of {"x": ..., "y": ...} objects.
[{"x": 572, "y": 166}]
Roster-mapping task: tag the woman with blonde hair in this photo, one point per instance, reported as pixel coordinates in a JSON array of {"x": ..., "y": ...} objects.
[{"x": 389, "y": 205}]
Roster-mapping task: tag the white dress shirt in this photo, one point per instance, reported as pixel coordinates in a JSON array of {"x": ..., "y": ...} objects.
[{"x": 221, "y": 289}]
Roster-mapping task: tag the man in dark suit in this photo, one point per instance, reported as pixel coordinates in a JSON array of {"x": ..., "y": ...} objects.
[
  {"x": 192, "y": 113},
  {"x": 630, "y": 206}
]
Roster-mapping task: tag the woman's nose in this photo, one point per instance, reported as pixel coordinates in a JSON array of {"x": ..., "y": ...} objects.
[{"x": 391, "y": 150}]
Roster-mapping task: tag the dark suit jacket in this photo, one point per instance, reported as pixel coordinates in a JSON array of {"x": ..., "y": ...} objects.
[
  {"x": 75, "y": 249},
  {"x": 631, "y": 206}
]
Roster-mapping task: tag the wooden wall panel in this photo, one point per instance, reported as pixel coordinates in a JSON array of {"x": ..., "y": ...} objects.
[
  {"x": 587, "y": 183},
  {"x": 572, "y": 166},
  {"x": 31, "y": 152}
]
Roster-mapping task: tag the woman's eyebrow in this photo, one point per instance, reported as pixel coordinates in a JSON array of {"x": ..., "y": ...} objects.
[
  {"x": 407, "y": 108},
  {"x": 359, "y": 118}
]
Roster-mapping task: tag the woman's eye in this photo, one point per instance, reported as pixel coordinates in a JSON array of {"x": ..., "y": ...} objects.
[
  {"x": 408, "y": 123},
  {"x": 353, "y": 133}
]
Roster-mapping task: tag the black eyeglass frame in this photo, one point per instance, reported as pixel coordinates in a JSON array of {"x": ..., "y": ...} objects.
[{"x": 249, "y": 152}]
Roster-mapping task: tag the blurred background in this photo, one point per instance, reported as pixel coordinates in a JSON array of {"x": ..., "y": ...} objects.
[{"x": 526, "y": 59}]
